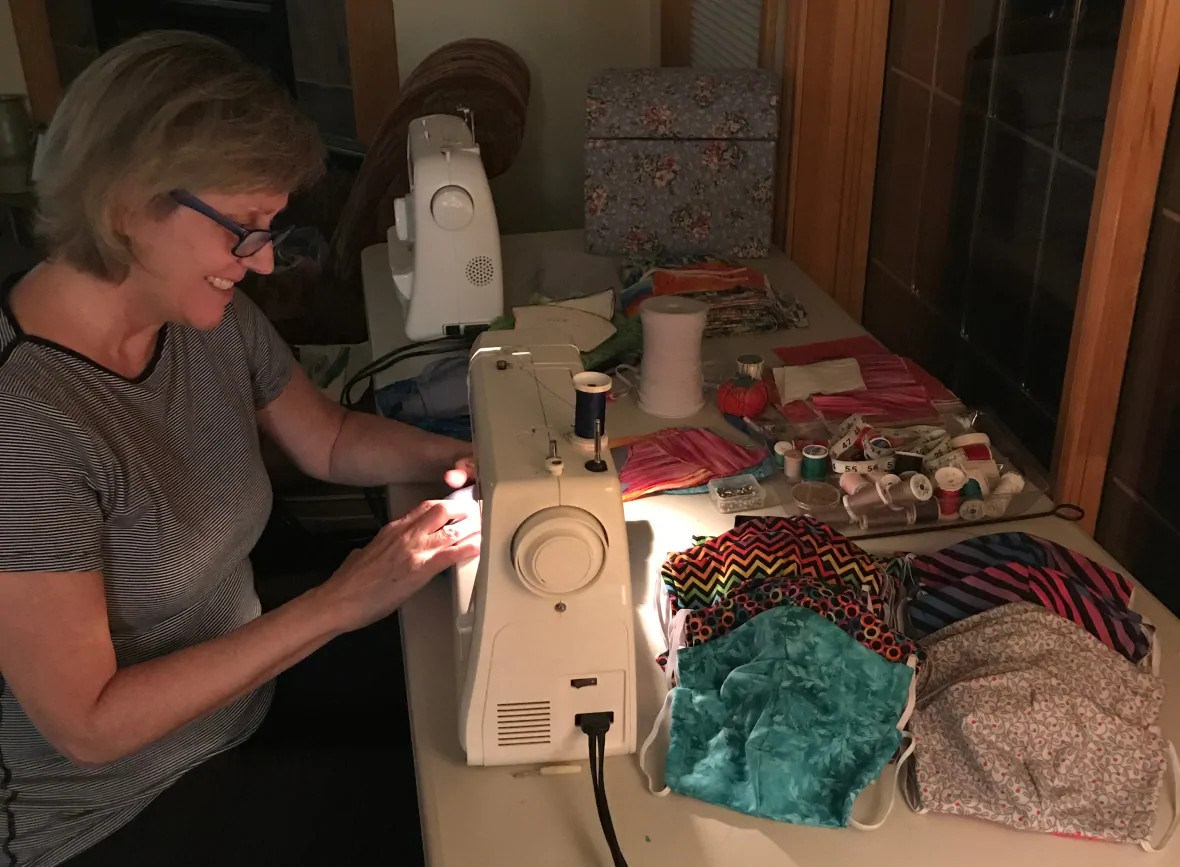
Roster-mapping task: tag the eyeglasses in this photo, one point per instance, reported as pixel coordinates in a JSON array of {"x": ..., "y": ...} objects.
[{"x": 250, "y": 241}]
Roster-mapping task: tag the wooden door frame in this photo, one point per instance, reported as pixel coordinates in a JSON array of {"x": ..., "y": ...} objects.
[
  {"x": 372, "y": 60},
  {"x": 834, "y": 67},
  {"x": 1137, "y": 118},
  {"x": 30, "y": 23}
]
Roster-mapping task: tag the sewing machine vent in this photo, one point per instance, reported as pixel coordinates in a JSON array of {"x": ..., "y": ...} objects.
[
  {"x": 480, "y": 270},
  {"x": 522, "y": 722}
]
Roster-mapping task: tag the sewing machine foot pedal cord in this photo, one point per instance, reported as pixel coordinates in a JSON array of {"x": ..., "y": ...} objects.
[{"x": 596, "y": 725}]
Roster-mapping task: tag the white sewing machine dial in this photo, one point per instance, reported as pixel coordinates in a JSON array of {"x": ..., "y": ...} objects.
[
  {"x": 559, "y": 550},
  {"x": 452, "y": 208}
]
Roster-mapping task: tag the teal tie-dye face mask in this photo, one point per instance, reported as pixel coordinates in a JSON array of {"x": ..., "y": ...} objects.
[{"x": 786, "y": 717}]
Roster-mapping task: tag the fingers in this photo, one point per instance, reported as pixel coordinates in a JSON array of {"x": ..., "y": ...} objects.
[
  {"x": 461, "y": 474},
  {"x": 460, "y": 530},
  {"x": 438, "y": 513},
  {"x": 453, "y": 555}
]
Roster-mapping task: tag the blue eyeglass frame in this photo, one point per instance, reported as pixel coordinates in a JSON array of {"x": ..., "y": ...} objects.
[{"x": 250, "y": 241}]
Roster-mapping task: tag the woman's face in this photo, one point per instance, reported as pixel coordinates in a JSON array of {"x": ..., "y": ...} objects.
[{"x": 183, "y": 261}]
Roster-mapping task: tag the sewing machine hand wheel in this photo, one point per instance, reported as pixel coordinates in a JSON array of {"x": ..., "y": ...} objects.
[{"x": 559, "y": 550}]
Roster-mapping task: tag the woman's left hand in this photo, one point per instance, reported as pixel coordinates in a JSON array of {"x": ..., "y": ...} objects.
[{"x": 462, "y": 473}]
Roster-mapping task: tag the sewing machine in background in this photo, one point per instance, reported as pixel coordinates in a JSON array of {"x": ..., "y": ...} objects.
[
  {"x": 544, "y": 619},
  {"x": 444, "y": 245}
]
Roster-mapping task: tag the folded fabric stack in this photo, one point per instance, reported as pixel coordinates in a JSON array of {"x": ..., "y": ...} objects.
[
  {"x": 740, "y": 299},
  {"x": 680, "y": 459},
  {"x": 895, "y": 388}
]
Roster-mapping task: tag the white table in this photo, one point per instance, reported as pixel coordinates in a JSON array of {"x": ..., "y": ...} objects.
[{"x": 506, "y": 816}]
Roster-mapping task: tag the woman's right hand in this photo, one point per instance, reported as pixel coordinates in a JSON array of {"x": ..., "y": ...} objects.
[{"x": 375, "y": 580}]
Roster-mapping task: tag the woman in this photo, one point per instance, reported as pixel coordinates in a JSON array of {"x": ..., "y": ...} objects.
[{"x": 134, "y": 382}]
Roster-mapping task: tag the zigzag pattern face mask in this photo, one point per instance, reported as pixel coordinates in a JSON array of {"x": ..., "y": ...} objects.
[
  {"x": 745, "y": 602},
  {"x": 1025, "y": 719},
  {"x": 773, "y": 547}
]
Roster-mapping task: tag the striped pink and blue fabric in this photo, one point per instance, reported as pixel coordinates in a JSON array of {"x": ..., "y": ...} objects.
[{"x": 983, "y": 573}]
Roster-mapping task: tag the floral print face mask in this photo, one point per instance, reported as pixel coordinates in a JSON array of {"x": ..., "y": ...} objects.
[{"x": 1025, "y": 719}]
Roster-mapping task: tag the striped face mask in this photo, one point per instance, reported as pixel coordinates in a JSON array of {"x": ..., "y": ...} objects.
[
  {"x": 982, "y": 573},
  {"x": 1024, "y": 719}
]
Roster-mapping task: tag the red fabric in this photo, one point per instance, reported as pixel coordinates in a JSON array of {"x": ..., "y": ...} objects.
[
  {"x": 896, "y": 388},
  {"x": 676, "y": 458}
]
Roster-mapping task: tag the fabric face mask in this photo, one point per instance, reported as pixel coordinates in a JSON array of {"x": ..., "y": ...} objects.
[
  {"x": 842, "y": 607},
  {"x": 982, "y": 573},
  {"x": 786, "y": 717},
  {"x": 1023, "y": 718},
  {"x": 771, "y": 547}
]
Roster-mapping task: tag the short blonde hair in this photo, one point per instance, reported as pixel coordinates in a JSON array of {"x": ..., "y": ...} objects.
[{"x": 163, "y": 111}]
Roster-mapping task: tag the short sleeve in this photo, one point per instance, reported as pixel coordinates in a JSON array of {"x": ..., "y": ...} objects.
[
  {"x": 268, "y": 355},
  {"x": 50, "y": 518}
]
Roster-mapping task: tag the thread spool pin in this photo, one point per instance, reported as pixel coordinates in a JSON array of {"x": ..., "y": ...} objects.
[{"x": 597, "y": 464}]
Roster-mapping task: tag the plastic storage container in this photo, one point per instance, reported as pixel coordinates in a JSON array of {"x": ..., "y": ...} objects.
[{"x": 735, "y": 493}]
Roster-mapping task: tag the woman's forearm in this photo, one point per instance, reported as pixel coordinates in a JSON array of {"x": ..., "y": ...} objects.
[
  {"x": 370, "y": 451},
  {"x": 142, "y": 703}
]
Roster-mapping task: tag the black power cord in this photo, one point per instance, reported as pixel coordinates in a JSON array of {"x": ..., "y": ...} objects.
[{"x": 596, "y": 725}]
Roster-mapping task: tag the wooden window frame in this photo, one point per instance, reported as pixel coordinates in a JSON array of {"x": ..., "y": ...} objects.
[
  {"x": 1137, "y": 117},
  {"x": 372, "y": 59}
]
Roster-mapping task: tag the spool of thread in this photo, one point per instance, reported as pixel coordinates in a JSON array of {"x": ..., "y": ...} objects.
[
  {"x": 972, "y": 490},
  {"x": 863, "y": 501},
  {"x": 750, "y": 365},
  {"x": 780, "y": 449},
  {"x": 858, "y": 522},
  {"x": 815, "y": 463},
  {"x": 886, "y": 484},
  {"x": 793, "y": 465},
  {"x": 948, "y": 505},
  {"x": 949, "y": 481},
  {"x": 850, "y": 483},
  {"x": 1010, "y": 485},
  {"x": 590, "y": 391},
  {"x": 914, "y": 488},
  {"x": 971, "y": 439},
  {"x": 908, "y": 462},
  {"x": 971, "y": 510},
  {"x": 670, "y": 381},
  {"x": 882, "y": 518},
  {"x": 984, "y": 487},
  {"x": 927, "y": 511}
]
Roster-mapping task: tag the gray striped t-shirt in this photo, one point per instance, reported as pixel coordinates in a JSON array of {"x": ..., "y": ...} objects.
[{"x": 158, "y": 483}]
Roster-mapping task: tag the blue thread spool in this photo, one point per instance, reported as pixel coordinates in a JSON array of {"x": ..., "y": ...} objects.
[{"x": 590, "y": 391}]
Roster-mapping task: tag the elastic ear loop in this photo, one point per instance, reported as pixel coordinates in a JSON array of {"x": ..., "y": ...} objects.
[
  {"x": 655, "y": 731},
  {"x": 675, "y": 637},
  {"x": 1154, "y": 654},
  {"x": 901, "y": 760},
  {"x": 1174, "y": 767},
  {"x": 911, "y": 701}
]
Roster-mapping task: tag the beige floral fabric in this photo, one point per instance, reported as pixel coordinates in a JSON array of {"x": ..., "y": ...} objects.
[{"x": 1025, "y": 719}]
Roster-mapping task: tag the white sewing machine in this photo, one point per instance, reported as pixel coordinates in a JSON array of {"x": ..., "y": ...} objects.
[
  {"x": 544, "y": 618},
  {"x": 444, "y": 245}
]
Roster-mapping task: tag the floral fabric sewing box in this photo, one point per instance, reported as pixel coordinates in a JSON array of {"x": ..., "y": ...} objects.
[{"x": 680, "y": 161}]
